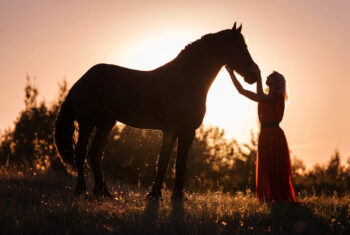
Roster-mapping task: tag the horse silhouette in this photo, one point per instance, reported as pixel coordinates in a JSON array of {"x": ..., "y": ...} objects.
[{"x": 171, "y": 98}]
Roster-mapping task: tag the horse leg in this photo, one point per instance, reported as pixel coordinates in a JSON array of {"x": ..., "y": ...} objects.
[
  {"x": 96, "y": 155},
  {"x": 184, "y": 144},
  {"x": 169, "y": 138},
  {"x": 80, "y": 154}
]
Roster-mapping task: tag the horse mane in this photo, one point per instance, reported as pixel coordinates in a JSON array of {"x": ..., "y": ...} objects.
[{"x": 196, "y": 48}]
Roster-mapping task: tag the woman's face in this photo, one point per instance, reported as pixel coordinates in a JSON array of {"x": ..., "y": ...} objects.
[{"x": 271, "y": 81}]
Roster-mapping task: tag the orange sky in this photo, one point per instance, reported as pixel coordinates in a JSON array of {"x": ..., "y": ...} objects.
[{"x": 305, "y": 41}]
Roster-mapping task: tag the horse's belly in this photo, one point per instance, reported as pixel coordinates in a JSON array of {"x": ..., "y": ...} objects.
[
  {"x": 140, "y": 115},
  {"x": 156, "y": 115},
  {"x": 139, "y": 121}
]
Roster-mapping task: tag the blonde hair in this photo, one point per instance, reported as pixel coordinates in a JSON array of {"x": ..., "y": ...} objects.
[{"x": 281, "y": 83}]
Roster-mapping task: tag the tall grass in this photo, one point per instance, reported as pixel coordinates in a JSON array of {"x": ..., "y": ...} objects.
[{"x": 34, "y": 203}]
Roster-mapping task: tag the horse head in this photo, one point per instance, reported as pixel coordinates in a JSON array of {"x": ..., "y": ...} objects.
[{"x": 236, "y": 54}]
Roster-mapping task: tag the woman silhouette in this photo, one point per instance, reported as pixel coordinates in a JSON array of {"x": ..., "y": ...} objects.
[{"x": 273, "y": 168}]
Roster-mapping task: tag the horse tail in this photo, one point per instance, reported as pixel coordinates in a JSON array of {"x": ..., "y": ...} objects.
[{"x": 64, "y": 130}]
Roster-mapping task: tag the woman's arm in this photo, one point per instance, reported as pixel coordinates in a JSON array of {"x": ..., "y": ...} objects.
[
  {"x": 240, "y": 89},
  {"x": 259, "y": 95}
]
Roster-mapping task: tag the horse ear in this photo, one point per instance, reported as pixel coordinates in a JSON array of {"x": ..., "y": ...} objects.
[
  {"x": 239, "y": 28},
  {"x": 234, "y": 26}
]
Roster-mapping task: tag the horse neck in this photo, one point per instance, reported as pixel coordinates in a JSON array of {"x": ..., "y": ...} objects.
[{"x": 203, "y": 70}]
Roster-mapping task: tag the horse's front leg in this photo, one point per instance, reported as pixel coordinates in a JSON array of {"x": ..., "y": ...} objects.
[
  {"x": 184, "y": 143},
  {"x": 169, "y": 137}
]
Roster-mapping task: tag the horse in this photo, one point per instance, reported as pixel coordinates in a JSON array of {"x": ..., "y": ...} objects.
[{"x": 170, "y": 98}]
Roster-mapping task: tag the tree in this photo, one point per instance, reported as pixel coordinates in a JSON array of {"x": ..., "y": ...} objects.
[{"x": 31, "y": 143}]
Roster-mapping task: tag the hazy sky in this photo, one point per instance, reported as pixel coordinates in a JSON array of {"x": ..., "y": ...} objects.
[{"x": 307, "y": 41}]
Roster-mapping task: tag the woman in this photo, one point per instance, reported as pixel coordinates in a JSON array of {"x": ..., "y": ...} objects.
[{"x": 273, "y": 168}]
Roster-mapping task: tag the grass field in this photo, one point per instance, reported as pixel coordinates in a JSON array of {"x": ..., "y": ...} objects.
[{"x": 32, "y": 203}]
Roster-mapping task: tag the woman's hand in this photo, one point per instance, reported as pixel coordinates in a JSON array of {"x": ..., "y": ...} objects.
[
  {"x": 229, "y": 70},
  {"x": 234, "y": 79},
  {"x": 255, "y": 68},
  {"x": 232, "y": 75},
  {"x": 240, "y": 89}
]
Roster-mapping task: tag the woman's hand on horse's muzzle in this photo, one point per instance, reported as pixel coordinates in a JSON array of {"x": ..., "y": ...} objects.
[{"x": 229, "y": 70}]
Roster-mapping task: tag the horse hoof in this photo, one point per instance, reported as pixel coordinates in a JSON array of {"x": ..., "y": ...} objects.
[
  {"x": 103, "y": 195},
  {"x": 102, "y": 192},
  {"x": 107, "y": 195},
  {"x": 80, "y": 190},
  {"x": 153, "y": 196},
  {"x": 179, "y": 197}
]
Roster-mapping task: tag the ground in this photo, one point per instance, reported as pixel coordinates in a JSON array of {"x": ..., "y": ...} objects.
[{"x": 36, "y": 203}]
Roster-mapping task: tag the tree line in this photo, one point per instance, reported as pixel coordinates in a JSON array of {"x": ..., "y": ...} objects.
[{"x": 214, "y": 162}]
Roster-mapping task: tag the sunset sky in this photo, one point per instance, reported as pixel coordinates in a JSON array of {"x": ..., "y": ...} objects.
[{"x": 307, "y": 41}]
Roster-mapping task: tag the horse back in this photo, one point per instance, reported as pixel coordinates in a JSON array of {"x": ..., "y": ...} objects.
[{"x": 145, "y": 99}]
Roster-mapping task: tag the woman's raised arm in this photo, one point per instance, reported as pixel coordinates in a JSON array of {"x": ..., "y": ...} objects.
[
  {"x": 259, "y": 95},
  {"x": 240, "y": 89}
]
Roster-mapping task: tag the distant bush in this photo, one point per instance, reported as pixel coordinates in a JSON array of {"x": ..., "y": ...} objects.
[
  {"x": 31, "y": 143},
  {"x": 331, "y": 178}
]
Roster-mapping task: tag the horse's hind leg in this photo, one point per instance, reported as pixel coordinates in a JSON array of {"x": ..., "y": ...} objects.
[
  {"x": 184, "y": 143},
  {"x": 96, "y": 154},
  {"x": 80, "y": 153},
  {"x": 169, "y": 138}
]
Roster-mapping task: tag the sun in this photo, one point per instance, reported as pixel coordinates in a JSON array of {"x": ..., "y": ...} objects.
[{"x": 228, "y": 109}]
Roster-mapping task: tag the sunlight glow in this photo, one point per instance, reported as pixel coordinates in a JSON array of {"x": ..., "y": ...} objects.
[
  {"x": 151, "y": 52},
  {"x": 228, "y": 109}
]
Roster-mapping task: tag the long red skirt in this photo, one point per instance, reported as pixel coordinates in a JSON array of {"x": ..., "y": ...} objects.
[{"x": 273, "y": 168}]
